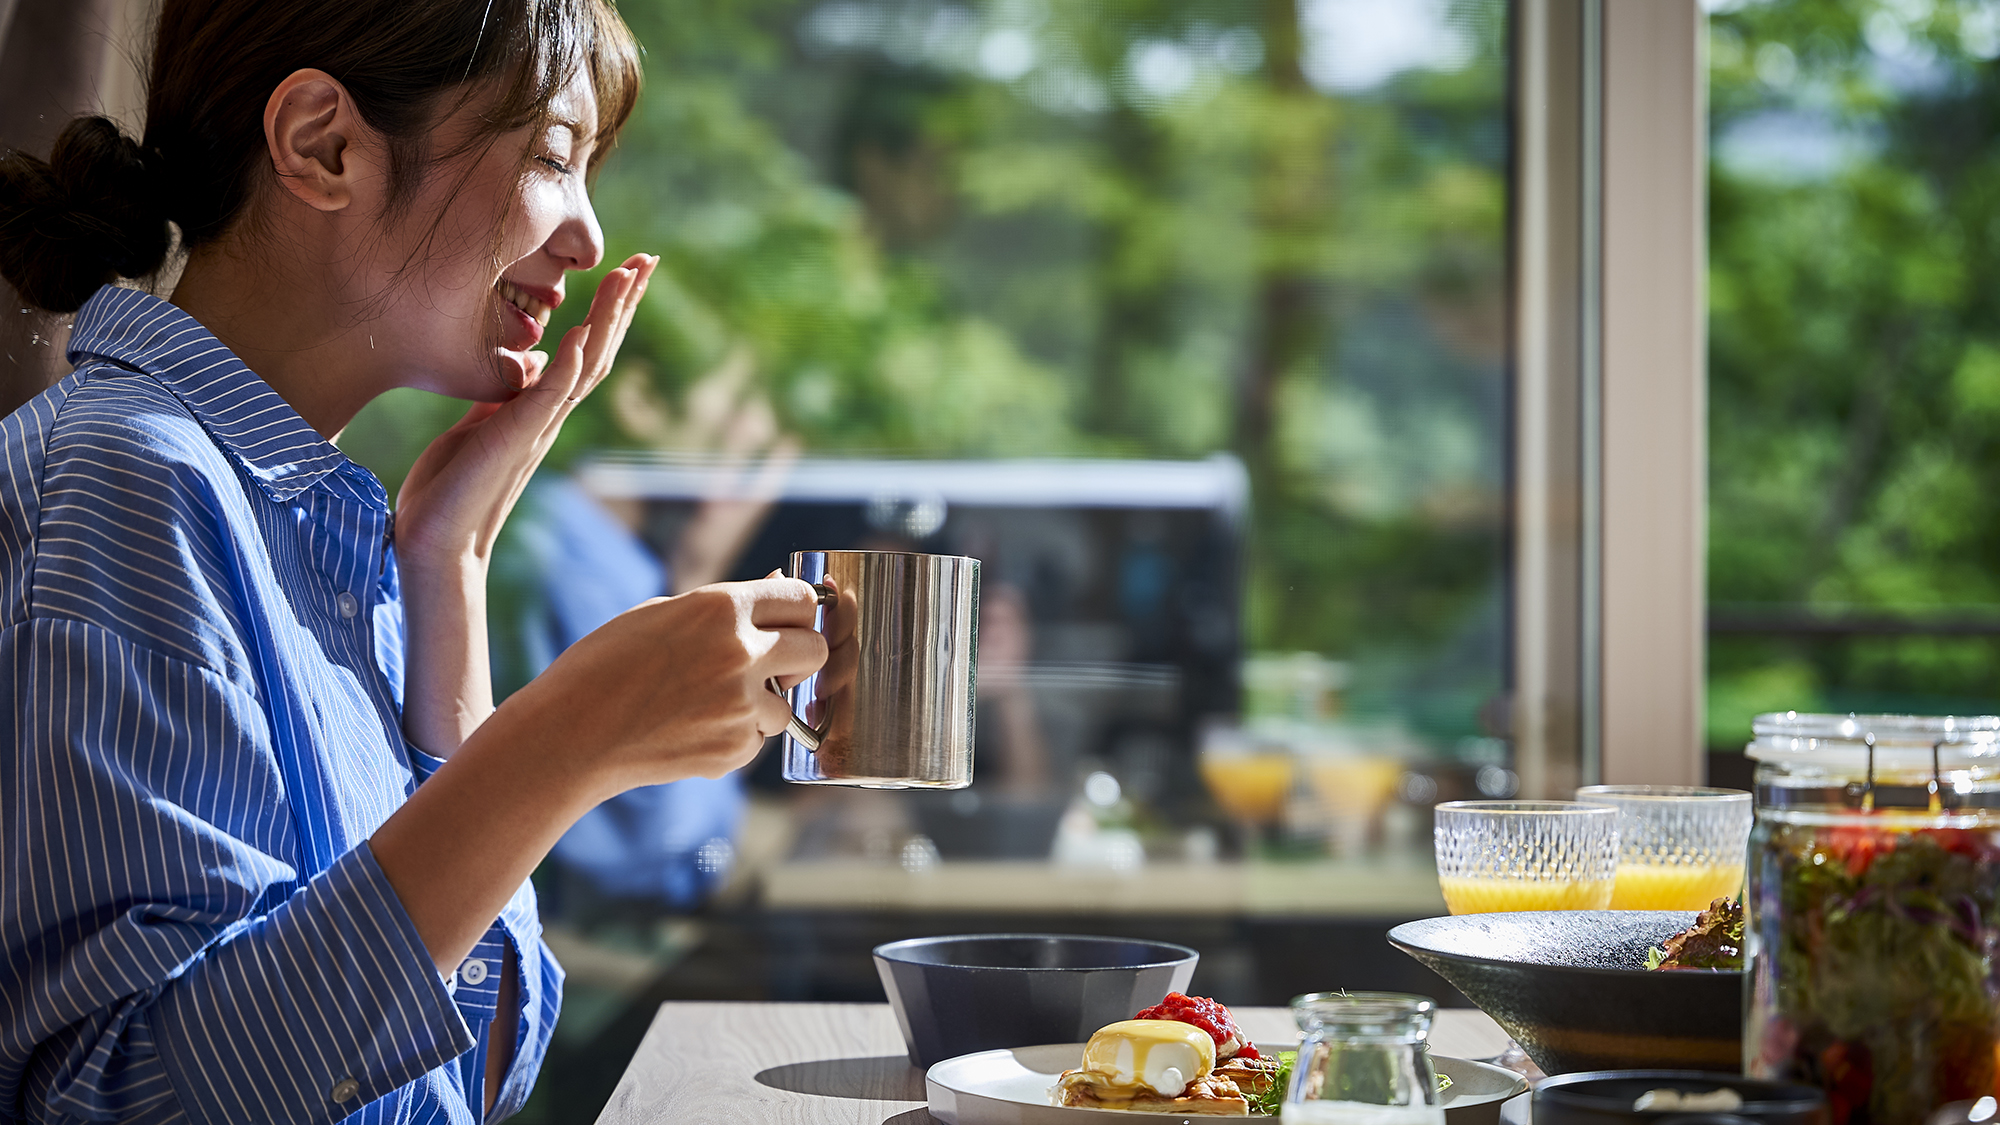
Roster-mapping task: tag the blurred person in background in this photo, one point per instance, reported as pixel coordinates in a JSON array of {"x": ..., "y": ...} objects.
[{"x": 568, "y": 561}]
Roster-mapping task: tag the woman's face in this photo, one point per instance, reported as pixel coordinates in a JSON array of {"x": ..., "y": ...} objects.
[{"x": 462, "y": 321}]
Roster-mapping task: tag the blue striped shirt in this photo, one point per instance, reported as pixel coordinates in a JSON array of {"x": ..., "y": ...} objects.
[{"x": 202, "y": 630}]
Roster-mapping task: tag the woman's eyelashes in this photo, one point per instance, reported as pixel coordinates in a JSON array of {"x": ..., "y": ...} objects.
[{"x": 560, "y": 167}]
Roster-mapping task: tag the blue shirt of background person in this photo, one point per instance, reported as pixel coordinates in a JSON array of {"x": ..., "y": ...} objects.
[{"x": 564, "y": 566}]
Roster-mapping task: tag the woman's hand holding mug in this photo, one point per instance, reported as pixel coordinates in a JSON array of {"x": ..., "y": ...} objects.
[{"x": 683, "y": 680}]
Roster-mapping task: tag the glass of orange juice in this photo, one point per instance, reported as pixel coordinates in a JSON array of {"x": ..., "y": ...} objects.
[
  {"x": 1250, "y": 786},
  {"x": 1250, "y": 778},
  {"x": 1680, "y": 847},
  {"x": 1526, "y": 855}
]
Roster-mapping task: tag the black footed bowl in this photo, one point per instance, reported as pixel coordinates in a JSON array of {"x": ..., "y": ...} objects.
[
  {"x": 1605, "y": 1097},
  {"x": 1571, "y": 987},
  {"x": 981, "y": 992}
]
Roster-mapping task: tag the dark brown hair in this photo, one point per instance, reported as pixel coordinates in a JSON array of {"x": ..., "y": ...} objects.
[{"x": 98, "y": 208}]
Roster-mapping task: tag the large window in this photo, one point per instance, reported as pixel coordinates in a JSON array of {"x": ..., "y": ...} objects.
[
  {"x": 1188, "y": 317},
  {"x": 1854, "y": 366}
]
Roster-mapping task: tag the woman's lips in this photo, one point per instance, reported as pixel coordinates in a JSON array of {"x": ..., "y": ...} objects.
[
  {"x": 521, "y": 331},
  {"x": 526, "y": 311}
]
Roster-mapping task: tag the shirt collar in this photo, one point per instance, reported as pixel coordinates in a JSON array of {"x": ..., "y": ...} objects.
[{"x": 240, "y": 411}]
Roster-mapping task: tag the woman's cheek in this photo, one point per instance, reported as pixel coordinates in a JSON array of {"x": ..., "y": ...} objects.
[{"x": 541, "y": 209}]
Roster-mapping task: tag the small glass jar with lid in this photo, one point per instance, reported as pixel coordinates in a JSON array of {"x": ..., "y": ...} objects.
[
  {"x": 1873, "y": 930},
  {"x": 1363, "y": 1060}
]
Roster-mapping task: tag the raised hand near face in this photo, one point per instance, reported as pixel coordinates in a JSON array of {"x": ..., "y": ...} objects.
[{"x": 459, "y": 492}]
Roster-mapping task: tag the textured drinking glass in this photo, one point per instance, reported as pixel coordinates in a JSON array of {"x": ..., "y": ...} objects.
[
  {"x": 1526, "y": 855},
  {"x": 1680, "y": 847},
  {"x": 1363, "y": 1060}
]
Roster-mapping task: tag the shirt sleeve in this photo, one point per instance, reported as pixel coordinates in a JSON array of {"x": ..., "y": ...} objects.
[
  {"x": 518, "y": 934},
  {"x": 515, "y": 935},
  {"x": 165, "y": 960}
]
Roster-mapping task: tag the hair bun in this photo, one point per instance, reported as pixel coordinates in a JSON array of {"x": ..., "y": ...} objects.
[{"x": 89, "y": 214}]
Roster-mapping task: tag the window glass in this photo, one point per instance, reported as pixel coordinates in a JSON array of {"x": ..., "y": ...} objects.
[
  {"x": 1189, "y": 319},
  {"x": 1854, "y": 371}
]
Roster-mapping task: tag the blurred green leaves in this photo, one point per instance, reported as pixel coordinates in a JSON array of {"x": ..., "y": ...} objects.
[{"x": 1854, "y": 381}]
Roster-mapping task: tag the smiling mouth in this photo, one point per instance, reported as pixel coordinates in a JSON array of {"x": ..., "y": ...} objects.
[{"x": 537, "y": 311}]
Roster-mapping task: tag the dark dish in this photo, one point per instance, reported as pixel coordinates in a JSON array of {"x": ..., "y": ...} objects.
[
  {"x": 979, "y": 992},
  {"x": 1572, "y": 988},
  {"x": 1607, "y": 1097}
]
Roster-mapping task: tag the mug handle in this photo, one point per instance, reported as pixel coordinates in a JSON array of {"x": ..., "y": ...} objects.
[{"x": 795, "y": 726}]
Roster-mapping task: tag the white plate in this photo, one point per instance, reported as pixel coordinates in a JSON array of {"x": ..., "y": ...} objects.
[{"x": 1011, "y": 1087}]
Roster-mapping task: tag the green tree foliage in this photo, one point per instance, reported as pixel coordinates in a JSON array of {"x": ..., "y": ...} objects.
[{"x": 1854, "y": 236}]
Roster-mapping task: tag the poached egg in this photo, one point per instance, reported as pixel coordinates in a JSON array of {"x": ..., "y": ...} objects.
[{"x": 1164, "y": 1056}]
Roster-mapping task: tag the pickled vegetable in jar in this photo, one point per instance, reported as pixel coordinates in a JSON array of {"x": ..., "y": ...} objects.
[{"x": 1874, "y": 911}]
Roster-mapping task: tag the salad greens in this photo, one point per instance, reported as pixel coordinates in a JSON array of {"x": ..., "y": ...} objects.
[
  {"x": 1876, "y": 977},
  {"x": 1272, "y": 1099},
  {"x": 1715, "y": 941}
]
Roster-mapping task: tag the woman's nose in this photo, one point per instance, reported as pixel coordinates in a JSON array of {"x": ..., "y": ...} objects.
[{"x": 578, "y": 240}]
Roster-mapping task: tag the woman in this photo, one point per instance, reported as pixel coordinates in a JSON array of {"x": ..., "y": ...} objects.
[{"x": 263, "y": 837}]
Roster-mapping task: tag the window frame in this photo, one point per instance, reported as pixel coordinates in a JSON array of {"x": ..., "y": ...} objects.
[{"x": 1610, "y": 392}]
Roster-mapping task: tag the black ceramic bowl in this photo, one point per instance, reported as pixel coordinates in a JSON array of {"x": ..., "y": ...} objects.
[
  {"x": 1606, "y": 1098},
  {"x": 980, "y": 992},
  {"x": 1571, "y": 987}
]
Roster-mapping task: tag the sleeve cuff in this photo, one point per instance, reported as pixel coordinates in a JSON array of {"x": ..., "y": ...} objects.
[
  {"x": 324, "y": 1005},
  {"x": 422, "y": 765},
  {"x": 539, "y": 993}
]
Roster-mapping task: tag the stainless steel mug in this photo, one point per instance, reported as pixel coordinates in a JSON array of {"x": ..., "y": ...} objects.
[{"x": 893, "y": 707}]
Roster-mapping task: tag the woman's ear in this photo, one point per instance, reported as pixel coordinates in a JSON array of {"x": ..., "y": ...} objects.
[{"x": 312, "y": 129}]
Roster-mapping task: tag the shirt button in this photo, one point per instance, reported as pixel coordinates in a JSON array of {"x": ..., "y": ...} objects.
[
  {"x": 473, "y": 971},
  {"x": 348, "y": 606},
  {"x": 345, "y": 1090}
]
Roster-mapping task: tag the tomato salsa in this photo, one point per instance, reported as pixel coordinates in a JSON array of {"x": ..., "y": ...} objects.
[{"x": 1205, "y": 1014}]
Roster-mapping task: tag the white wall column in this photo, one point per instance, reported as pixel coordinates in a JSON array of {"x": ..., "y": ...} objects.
[{"x": 1653, "y": 393}]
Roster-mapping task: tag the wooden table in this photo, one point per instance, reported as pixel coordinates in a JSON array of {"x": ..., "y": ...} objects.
[{"x": 843, "y": 1064}]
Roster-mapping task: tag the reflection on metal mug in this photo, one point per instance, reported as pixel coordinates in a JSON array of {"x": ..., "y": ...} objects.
[{"x": 893, "y": 707}]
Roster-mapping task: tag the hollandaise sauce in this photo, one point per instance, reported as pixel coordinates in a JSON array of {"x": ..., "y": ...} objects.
[{"x": 1164, "y": 1056}]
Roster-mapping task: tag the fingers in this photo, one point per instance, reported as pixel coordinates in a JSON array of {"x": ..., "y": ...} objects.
[
  {"x": 555, "y": 391},
  {"x": 537, "y": 361},
  {"x": 794, "y": 655},
  {"x": 781, "y": 602},
  {"x": 774, "y": 712},
  {"x": 642, "y": 266},
  {"x": 611, "y": 310},
  {"x": 606, "y": 307}
]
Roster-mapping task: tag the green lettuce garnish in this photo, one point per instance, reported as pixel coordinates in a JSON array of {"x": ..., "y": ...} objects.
[
  {"x": 1715, "y": 941},
  {"x": 1272, "y": 1100}
]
